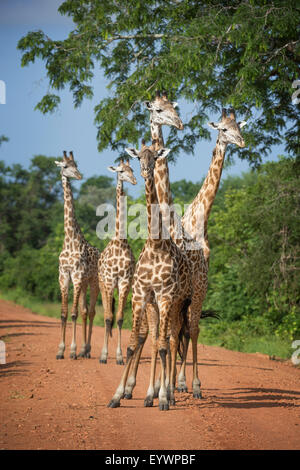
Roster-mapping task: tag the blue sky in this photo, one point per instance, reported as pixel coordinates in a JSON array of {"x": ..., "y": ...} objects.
[{"x": 31, "y": 133}]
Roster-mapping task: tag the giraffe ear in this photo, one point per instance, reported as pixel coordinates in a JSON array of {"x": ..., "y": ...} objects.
[
  {"x": 213, "y": 125},
  {"x": 242, "y": 124},
  {"x": 162, "y": 153},
  {"x": 112, "y": 168},
  {"x": 60, "y": 164},
  {"x": 134, "y": 153},
  {"x": 148, "y": 105}
]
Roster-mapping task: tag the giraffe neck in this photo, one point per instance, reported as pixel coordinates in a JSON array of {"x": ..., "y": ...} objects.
[
  {"x": 120, "y": 228},
  {"x": 163, "y": 187},
  {"x": 153, "y": 215},
  {"x": 156, "y": 135},
  {"x": 71, "y": 227},
  {"x": 196, "y": 217}
]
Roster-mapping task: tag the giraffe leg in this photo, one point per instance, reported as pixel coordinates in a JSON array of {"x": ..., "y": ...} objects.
[
  {"x": 123, "y": 294},
  {"x": 74, "y": 316},
  {"x": 137, "y": 312},
  {"x": 107, "y": 300},
  {"x": 173, "y": 344},
  {"x": 164, "y": 309},
  {"x": 83, "y": 311},
  {"x": 152, "y": 320},
  {"x": 182, "y": 387},
  {"x": 194, "y": 319},
  {"x": 173, "y": 354},
  {"x": 156, "y": 387},
  {"x": 94, "y": 292},
  {"x": 64, "y": 288},
  {"x": 196, "y": 380},
  {"x": 131, "y": 381},
  {"x": 168, "y": 364}
]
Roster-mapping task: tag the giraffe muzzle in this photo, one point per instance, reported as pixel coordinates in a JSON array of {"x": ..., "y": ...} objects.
[{"x": 145, "y": 174}]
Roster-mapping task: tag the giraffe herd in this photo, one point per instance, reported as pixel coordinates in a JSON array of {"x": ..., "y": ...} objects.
[{"x": 169, "y": 279}]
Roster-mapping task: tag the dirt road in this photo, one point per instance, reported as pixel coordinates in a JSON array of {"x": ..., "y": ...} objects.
[{"x": 249, "y": 401}]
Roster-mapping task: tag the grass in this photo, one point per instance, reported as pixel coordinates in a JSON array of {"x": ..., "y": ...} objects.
[
  {"x": 244, "y": 336},
  {"x": 238, "y": 336},
  {"x": 52, "y": 309}
]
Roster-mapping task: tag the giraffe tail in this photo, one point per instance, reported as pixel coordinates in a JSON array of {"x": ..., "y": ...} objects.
[
  {"x": 184, "y": 328},
  {"x": 210, "y": 314}
]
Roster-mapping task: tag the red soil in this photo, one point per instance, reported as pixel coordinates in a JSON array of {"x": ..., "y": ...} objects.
[{"x": 249, "y": 401}]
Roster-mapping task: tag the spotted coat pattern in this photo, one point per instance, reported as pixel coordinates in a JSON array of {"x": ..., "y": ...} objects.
[
  {"x": 116, "y": 267},
  {"x": 192, "y": 227},
  {"x": 78, "y": 263},
  {"x": 162, "y": 280}
]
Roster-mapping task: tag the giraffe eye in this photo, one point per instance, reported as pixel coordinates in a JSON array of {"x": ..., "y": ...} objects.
[
  {"x": 159, "y": 110},
  {"x": 224, "y": 129}
]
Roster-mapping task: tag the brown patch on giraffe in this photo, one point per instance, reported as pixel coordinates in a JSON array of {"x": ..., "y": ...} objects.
[{"x": 74, "y": 266}]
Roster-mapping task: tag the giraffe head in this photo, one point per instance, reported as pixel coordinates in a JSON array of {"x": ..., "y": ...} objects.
[
  {"x": 229, "y": 129},
  {"x": 69, "y": 167},
  {"x": 162, "y": 111},
  {"x": 125, "y": 172},
  {"x": 147, "y": 157}
]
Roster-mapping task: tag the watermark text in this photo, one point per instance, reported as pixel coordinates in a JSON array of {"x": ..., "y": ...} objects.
[{"x": 2, "y": 92}]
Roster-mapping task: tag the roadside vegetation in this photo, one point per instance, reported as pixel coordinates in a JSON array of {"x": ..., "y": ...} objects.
[{"x": 254, "y": 236}]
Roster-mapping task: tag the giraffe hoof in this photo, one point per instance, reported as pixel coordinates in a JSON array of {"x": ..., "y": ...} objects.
[
  {"x": 148, "y": 402},
  {"x": 182, "y": 389},
  {"x": 172, "y": 402},
  {"x": 128, "y": 396},
  {"x": 120, "y": 362},
  {"x": 164, "y": 406},
  {"x": 73, "y": 356},
  {"x": 84, "y": 354},
  {"x": 197, "y": 395},
  {"x": 103, "y": 361},
  {"x": 113, "y": 404},
  {"x": 60, "y": 356}
]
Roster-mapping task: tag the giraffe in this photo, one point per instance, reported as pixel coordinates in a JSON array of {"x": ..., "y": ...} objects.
[
  {"x": 161, "y": 278},
  {"x": 190, "y": 232},
  {"x": 162, "y": 112},
  {"x": 78, "y": 263},
  {"x": 195, "y": 222},
  {"x": 229, "y": 133},
  {"x": 116, "y": 265}
]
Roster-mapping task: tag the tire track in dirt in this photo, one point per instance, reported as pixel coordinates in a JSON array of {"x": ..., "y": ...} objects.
[{"x": 249, "y": 401}]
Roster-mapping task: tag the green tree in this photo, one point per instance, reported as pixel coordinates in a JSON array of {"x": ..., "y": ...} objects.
[
  {"x": 97, "y": 190},
  {"x": 242, "y": 53},
  {"x": 185, "y": 191},
  {"x": 254, "y": 238},
  {"x": 28, "y": 202}
]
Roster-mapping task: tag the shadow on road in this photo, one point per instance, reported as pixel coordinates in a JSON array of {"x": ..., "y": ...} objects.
[
  {"x": 258, "y": 398},
  {"x": 22, "y": 323},
  {"x": 14, "y": 368}
]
